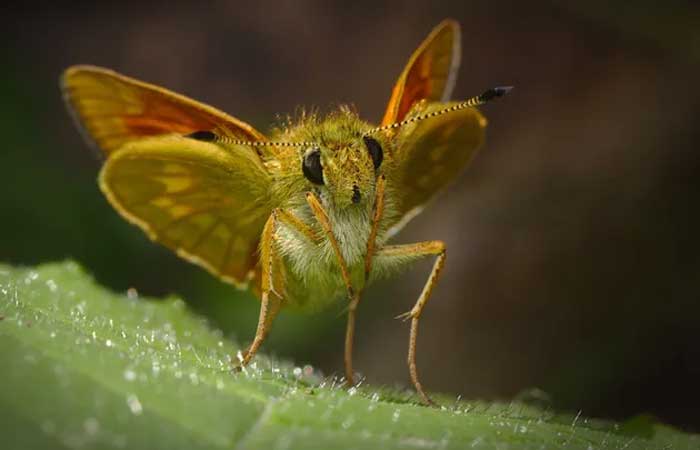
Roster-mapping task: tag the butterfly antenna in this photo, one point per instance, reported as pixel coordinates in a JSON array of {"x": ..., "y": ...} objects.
[
  {"x": 230, "y": 141},
  {"x": 210, "y": 136},
  {"x": 486, "y": 97}
]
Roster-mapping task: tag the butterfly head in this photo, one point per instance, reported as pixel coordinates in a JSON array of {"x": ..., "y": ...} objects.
[{"x": 345, "y": 170}]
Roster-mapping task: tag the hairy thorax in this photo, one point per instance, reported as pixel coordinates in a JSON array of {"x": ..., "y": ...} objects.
[{"x": 313, "y": 278}]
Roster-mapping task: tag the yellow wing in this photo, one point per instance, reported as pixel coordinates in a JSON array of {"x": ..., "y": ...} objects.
[
  {"x": 430, "y": 74},
  {"x": 432, "y": 153},
  {"x": 114, "y": 109},
  {"x": 206, "y": 201}
]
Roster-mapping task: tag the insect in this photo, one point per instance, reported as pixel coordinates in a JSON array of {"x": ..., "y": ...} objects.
[{"x": 305, "y": 214}]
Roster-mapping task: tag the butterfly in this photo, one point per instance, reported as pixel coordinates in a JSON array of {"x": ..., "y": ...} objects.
[{"x": 304, "y": 214}]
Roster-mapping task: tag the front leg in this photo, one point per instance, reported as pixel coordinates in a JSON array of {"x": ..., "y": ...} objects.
[
  {"x": 399, "y": 255},
  {"x": 270, "y": 301},
  {"x": 378, "y": 211},
  {"x": 376, "y": 218},
  {"x": 353, "y": 296},
  {"x": 270, "y": 263}
]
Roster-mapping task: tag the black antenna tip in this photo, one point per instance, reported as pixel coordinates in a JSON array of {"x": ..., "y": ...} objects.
[
  {"x": 203, "y": 135},
  {"x": 496, "y": 92}
]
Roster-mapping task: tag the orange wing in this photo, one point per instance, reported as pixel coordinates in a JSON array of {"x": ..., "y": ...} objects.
[
  {"x": 430, "y": 73},
  {"x": 432, "y": 153},
  {"x": 207, "y": 201},
  {"x": 113, "y": 109}
]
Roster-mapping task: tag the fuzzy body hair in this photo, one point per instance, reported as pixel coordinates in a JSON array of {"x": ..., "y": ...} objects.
[{"x": 311, "y": 277}]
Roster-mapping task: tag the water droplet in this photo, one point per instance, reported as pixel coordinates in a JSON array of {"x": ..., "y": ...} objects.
[
  {"x": 194, "y": 378},
  {"x": 308, "y": 370},
  {"x": 53, "y": 287},
  {"x": 374, "y": 399},
  {"x": 91, "y": 426},
  {"x": 134, "y": 404},
  {"x": 108, "y": 342},
  {"x": 395, "y": 416},
  {"x": 297, "y": 372},
  {"x": 347, "y": 423},
  {"x": 129, "y": 375},
  {"x": 219, "y": 384},
  {"x": 52, "y": 335},
  {"x": 31, "y": 277},
  {"x": 132, "y": 293},
  {"x": 352, "y": 391}
]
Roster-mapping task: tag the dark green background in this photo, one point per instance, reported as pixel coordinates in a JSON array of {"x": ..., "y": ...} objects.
[{"x": 573, "y": 252}]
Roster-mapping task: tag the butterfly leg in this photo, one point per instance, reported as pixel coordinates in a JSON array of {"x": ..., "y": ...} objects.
[
  {"x": 354, "y": 301},
  {"x": 377, "y": 216},
  {"x": 271, "y": 300},
  {"x": 407, "y": 253},
  {"x": 269, "y": 307},
  {"x": 353, "y": 296},
  {"x": 324, "y": 221}
]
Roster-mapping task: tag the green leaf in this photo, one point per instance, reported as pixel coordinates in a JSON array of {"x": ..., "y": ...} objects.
[{"x": 86, "y": 368}]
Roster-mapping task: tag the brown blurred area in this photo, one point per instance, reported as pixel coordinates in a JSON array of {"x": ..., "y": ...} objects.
[{"x": 573, "y": 252}]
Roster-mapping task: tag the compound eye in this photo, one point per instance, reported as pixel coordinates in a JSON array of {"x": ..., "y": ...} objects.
[
  {"x": 375, "y": 151},
  {"x": 311, "y": 166}
]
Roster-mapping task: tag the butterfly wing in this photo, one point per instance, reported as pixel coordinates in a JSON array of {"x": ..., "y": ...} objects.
[
  {"x": 430, "y": 74},
  {"x": 431, "y": 153},
  {"x": 208, "y": 201},
  {"x": 113, "y": 109}
]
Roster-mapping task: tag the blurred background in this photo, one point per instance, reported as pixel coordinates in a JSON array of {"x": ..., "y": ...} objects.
[{"x": 574, "y": 252}]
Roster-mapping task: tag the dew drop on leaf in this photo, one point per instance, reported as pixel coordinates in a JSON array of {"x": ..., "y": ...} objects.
[
  {"x": 347, "y": 423},
  {"x": 53, "y": 287},
  {"x": 91, "y": 426},
  {"x": 134, "y": 404}
]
